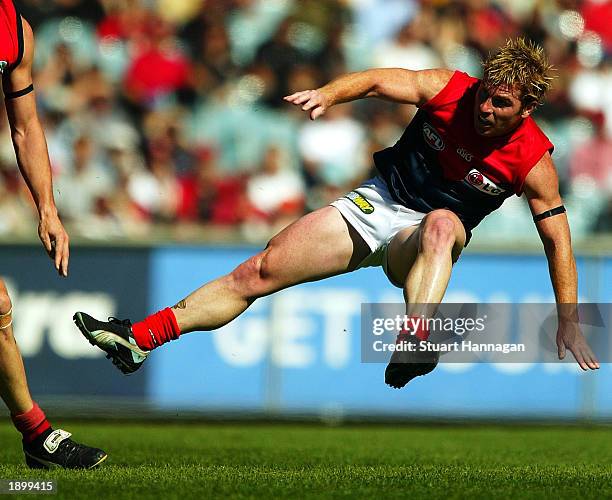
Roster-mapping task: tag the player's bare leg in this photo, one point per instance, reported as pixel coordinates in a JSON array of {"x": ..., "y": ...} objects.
[
  {"x": 43, "y": 447},
  {"x": 421, "y": 258},
  {"x": 13, "y": 384},
  {"x": 318, "y": 245}
]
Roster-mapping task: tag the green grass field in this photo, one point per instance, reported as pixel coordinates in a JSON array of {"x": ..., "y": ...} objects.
[{"x": 292, "y": 460}]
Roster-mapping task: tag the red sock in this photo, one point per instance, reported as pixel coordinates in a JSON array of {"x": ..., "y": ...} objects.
[
  {"x": 31, "y": 424},
  {"x": 421, "y": 330},
  {"x": 156, "y": 329}
]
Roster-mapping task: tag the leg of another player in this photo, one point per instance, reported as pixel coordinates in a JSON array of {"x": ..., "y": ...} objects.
[
  {"x": 26, "y": 415},
  {"x": 13, "y": 385},
  {"x": 28, "y": 418}
]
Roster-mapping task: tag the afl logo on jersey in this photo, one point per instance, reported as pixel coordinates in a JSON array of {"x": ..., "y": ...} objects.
[
  {"x": 432, "y": 137},
  {"x": 3, "y": 65},
  {"x": 482, "y": 183}
]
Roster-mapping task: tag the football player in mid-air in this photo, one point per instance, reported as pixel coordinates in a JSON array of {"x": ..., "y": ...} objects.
[
  {"x": 471, "y": 145},
  {"x": 43, "y": 446}
]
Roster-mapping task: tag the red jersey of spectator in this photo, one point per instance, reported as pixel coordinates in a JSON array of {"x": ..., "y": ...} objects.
[
  {"x": 11, "y": 36},
  {"x": 208, "y": 196},
  {"x": 441, "y": 162},
  {"x": 597, "y": 16},
  {"x": 156, "y": 72},
  {"x": 159, "y": 67}
]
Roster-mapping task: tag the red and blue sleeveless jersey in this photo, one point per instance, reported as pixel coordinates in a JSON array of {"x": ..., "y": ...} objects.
[
  {"x": 11, "y": 36},
  {"x": 441, "y": 162}
]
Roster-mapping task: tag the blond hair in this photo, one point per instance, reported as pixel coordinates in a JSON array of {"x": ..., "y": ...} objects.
[{"x": 519, "y": 63}]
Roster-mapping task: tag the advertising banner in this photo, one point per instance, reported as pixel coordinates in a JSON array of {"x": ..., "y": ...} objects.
[
  {"x": 305, "y": 349},
  {"x": 103, "y": 282}
]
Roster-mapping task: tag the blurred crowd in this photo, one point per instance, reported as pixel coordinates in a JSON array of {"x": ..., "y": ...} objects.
[{"x": 170, "y": 112}]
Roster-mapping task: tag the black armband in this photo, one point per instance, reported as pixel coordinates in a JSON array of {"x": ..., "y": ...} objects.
[
  {"x": 19, "y": 93},
  {"x": 549, "y": 213}
]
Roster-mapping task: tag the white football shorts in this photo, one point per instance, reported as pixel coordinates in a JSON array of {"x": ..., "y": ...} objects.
[{"x": 377, "y": 217}]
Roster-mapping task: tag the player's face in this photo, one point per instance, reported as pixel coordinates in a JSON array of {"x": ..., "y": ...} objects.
[{"x": 498, "y": 111}]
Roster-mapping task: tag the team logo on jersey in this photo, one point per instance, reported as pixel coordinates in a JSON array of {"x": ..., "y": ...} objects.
[
  {"x": 3, "y": 65},
  {"x": 475, "y": 178},
  {"x": 432, "y": 137},
  {"x": 465, "y": 154},
  {"x": 362, "y": 204},
  {"x": 482, "y": 183}
]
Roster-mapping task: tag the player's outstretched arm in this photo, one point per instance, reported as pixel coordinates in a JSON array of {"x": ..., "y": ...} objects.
[
  {"x": 542, "y": 191},
  {"x": 31, "y": 151},
  {"x": 393, "y": 84}
]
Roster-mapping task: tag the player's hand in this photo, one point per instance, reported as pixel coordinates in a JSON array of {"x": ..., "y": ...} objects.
[
  {"x": 569, "y": 336},
  {"x": 314, "y": 101},
  {"x": 55, "y": 240}
]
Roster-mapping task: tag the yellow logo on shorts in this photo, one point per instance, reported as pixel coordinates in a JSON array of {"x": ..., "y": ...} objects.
[{"x": 362, "y": 204}]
